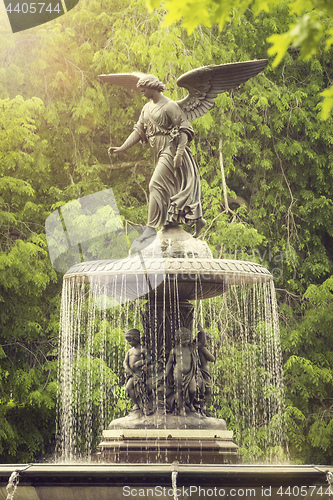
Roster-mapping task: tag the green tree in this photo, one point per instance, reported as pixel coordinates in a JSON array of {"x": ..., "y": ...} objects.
[
  {"x": 309, "y": 29},
  {"x": 309, "y": 377},
  {"x": 28, "y": 295}
]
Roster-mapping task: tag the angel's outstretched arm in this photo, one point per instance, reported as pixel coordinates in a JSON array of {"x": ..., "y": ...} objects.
[{"x": 133, "y": 139}]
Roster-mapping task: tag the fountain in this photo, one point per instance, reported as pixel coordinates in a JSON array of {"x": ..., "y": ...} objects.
[
  {"x": 167, "y": 367},
  {"x": 167, "y": 444},
  {"x": 169, "y": 420}
]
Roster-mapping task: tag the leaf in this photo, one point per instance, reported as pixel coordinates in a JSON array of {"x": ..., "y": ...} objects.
[{"x": 327, "y": 104}]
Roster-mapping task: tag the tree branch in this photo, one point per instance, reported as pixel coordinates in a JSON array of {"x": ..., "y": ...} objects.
[{"x": 125, "y": 165}]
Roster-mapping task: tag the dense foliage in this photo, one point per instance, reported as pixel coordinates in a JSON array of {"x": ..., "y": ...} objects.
[
  {"x": 265, "y": 162},
  {"x": 309, "y": 27}
]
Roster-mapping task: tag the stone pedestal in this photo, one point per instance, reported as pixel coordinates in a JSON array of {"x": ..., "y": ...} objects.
[{"x": 185, "y": 446}]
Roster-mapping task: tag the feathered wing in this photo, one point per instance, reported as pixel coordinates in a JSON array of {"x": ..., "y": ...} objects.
[
  {"x": 204, "y": 84},
  {"x": 127, "y": 80}
]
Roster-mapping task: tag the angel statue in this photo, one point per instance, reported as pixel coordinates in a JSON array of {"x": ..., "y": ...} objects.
[{"x": 174, "y": 189}]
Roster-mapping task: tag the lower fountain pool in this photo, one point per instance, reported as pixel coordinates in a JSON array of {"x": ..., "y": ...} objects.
[{"x": 119, "y": 481}]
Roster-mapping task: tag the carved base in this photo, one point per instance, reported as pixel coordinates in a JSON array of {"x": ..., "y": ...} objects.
[
  {"x": 160, "y": 421},
  {"x": 186, "y": 446}
]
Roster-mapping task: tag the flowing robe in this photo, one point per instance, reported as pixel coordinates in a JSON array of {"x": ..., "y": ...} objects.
[{"x": 174, "y": 195}]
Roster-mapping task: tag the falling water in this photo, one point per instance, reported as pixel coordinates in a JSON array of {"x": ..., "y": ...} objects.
[
  {"x": 329, "y": 479},
  {"x": 12, "y": 485},
  {"x": 90, "y": 373},
  {"x": 248, "y": 386},
  {"x": 174, "y": 475},
  {"x": 247, "y": 375}
]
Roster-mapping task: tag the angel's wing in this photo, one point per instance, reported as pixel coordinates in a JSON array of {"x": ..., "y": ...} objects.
[
  {"x": 204, "y": 84},
  {"x": 127, "y": 80}
]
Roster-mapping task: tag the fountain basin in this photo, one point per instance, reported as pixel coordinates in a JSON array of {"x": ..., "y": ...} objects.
[
  {"x": 117, "y": 481},
  {"x": 173, "y": 260},
  {"x": 196, "y": 278}
]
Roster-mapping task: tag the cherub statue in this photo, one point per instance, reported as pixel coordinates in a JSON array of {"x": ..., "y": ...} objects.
[
  {"x": 136, "y": 364},
  {"x": 174, "y": 189},
  {"x": 182, "y": 363},
  {"x": 204, "y": 378}
]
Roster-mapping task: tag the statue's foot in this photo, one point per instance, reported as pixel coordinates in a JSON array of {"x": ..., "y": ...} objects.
[
  {"x": 148, "y": 233},
  {"x": 192, "y": 409},
  {"x": 199, "y": 225},
  {"x": 206, "y": 413},
  {"x": 148, "y": 412},
  {"x": 161, "y": 410},
  {"x": 170, "y": 225},
  {"x": 180, "y": 412},
  {"x": 144, "y": 240}
]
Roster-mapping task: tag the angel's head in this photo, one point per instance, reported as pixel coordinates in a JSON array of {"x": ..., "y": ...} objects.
[{"x": 150, "y": 82}]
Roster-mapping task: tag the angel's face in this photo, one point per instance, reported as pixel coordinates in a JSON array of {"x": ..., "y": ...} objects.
[{"x": 147, "y": 92}]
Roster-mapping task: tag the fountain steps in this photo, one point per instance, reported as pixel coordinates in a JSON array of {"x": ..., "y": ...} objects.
[{"x": 167, "y": 446}]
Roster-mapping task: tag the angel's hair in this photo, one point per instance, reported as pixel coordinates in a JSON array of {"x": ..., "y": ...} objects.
[{"x": 151, "y": 82}]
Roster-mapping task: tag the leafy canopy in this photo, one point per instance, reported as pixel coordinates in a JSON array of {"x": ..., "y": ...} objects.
[{"x": 310, "y": 27}]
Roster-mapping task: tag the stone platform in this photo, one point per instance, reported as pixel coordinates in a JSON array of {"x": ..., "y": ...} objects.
[{"x": 185, "y": 446}]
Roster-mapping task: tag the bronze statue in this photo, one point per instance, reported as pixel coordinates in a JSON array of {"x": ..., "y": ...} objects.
[
  {"x": 204, "y": 378},
  {"x": 173, "y": 377},
  {"x": 174, "y": 190},
  {"x": 182, "y": 365},
  {"x": 136, "y": 364}
]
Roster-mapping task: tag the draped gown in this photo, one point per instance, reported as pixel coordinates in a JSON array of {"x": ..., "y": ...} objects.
[{"x": 174, "y": 195}]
